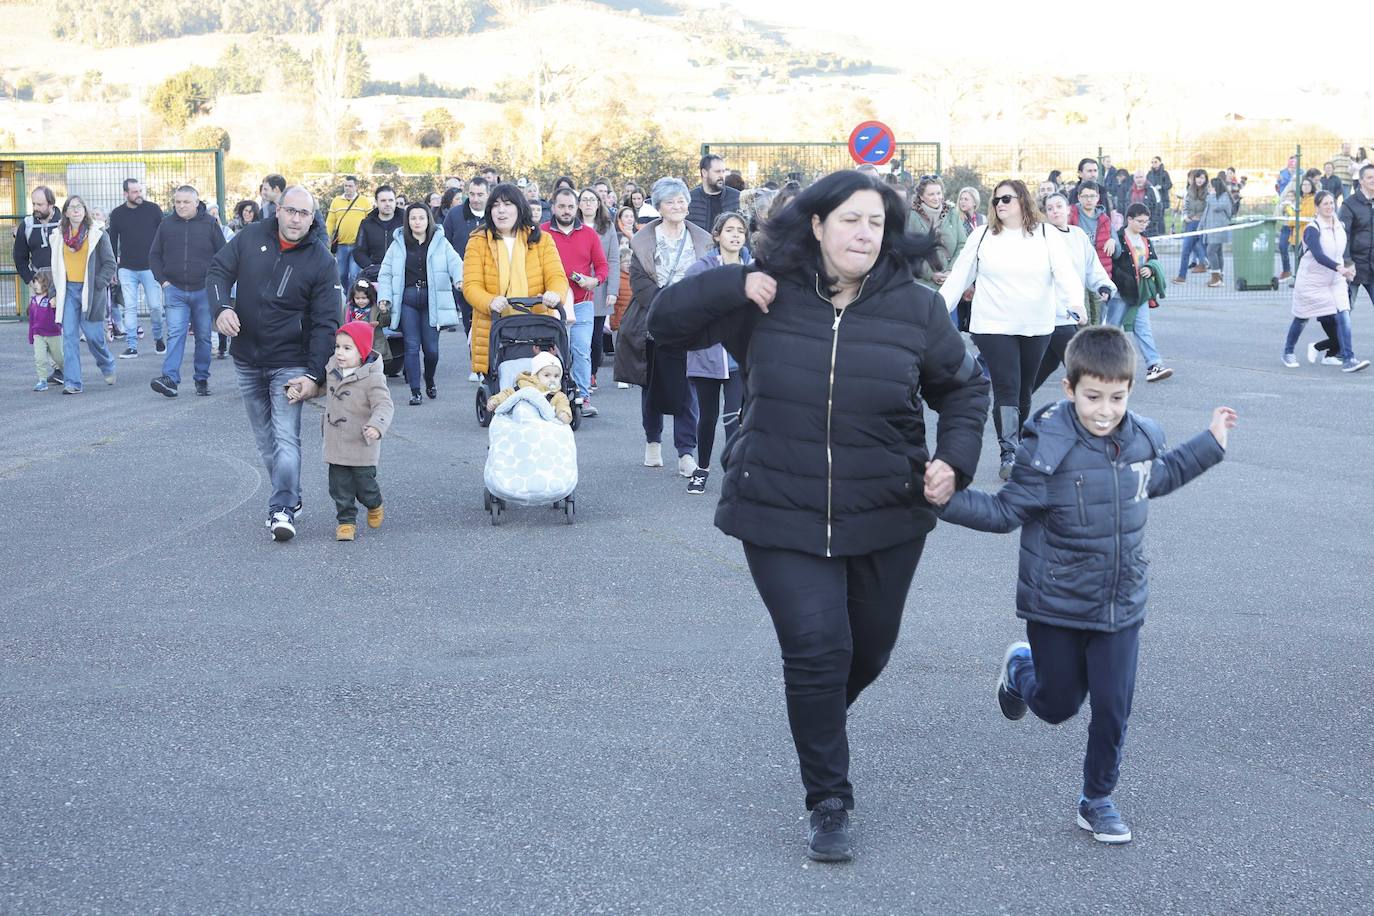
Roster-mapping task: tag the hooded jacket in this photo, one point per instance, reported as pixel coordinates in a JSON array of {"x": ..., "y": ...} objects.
[
  {"x": 1125, "y": 274},
  {"x": 1103, "y": 232},
  {"x": 831, "y": 453},
  {"x": 444, "y": 269},
  {"x": 182, "y": 249},
  {"x": 352, "y": 402},
  {"x": 1081, "y": 502},
  {"x": 374, "y": 237},
  {"x": 288, "y": 301},
  {"x": 31, "y": 249}
]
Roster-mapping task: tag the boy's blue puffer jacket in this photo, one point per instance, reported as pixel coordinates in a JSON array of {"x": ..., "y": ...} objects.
[{"x": 1082, "y": 501}]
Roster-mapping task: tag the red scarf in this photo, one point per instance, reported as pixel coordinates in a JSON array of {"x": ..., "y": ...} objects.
[{"x": 74, "y": 242}]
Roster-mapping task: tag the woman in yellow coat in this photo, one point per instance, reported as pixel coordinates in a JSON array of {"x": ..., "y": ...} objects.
[{"x": 508, "y": 258}]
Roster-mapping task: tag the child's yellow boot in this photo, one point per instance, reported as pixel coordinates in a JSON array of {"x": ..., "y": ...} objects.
[
  {"x": 345, "y": 532},
  {"x": 375, "y": 516}
]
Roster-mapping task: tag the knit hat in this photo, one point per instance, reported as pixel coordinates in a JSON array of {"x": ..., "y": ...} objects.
[
  {"x": 361, "y": 332},
  {"x": 665, "y": 188},
  {"x": 545, "y": 359}
]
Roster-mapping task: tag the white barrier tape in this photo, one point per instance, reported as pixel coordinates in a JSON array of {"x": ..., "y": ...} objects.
[{"x": 1253, "y": 221}]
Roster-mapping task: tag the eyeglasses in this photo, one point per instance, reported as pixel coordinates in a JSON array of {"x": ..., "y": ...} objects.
[
  {"x": 1004, "y": 199},
  {"x": 292, "y": 211}
]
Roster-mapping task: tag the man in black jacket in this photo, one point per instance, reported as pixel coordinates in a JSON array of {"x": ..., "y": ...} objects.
[
  {"x": 1357, "y": 215},
  {"x": 711, "y": 198},
  {"x": 282, "y": 323},
  {"x": 459, "y": 224},
  {"x": 375, "y": 232},
  {"x": 31, "y": 250},
  {"x": 179, "y": 257}
]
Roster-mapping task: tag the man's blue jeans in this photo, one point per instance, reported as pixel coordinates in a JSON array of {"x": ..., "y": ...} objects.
[
  {"x": 129, "y": 282},
  {"x": 72, "y": 328},
  {"x": 343, "y": 257},
  {"x": 581, "y": 342},
  {"x": 187, "y": 307},
  {"x": 1116, "y": 314},
  {"x": 276, "y": 426}
]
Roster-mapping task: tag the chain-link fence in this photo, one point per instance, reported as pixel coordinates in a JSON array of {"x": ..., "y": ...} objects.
[
  {"x": 97, "y": 177},
  {"x": 760, "y": 163}
]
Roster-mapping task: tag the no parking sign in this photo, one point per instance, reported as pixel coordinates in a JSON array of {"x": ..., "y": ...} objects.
[{"x": 872, "y": 143}]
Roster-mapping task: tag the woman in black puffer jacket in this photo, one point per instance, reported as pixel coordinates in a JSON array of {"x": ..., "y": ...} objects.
[{"x": 824, "y": 481}]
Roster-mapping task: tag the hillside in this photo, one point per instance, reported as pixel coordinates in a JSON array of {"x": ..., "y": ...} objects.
[{"x": 702, "y": 72}]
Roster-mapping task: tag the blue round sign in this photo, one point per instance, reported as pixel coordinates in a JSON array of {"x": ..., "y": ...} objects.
[{"x": 872, "y": 143}]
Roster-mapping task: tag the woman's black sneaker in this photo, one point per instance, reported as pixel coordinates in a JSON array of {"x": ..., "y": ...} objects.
[
  {"x": 432, "y": 392},
  {"x": 698, "y": 482},
  {"x": 829, "y": 836},
  {"x": 415, "y": 399}
]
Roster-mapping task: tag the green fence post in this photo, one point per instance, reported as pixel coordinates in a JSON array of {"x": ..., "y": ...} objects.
[
  {"x": 939, "y": 165},
  {"x": 219, "y": 183}
]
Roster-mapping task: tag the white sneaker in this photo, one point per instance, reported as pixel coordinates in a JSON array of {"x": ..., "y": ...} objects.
[
  {"x": 1290, "y": 360},
  {"x": 1158, "y": 373},
  {"x": 686, "y": 465},
  {"x": 1355, "y": 365},
  {"x": 622, "y": 384},
  {"x": 1312, "y": 352},
  {"x": 474, "y": 377},
  {"x": 653, "y": 454},
  {"x": 1332, "y": 361}
]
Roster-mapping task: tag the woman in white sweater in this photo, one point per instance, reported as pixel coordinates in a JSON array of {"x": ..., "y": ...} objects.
[
  {"x": 1072, "y": 314},
  {"x": 1021, "y": 276}
]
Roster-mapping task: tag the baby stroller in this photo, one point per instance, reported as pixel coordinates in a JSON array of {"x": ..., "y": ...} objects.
[
  {"x": 531, "y": 458},
  {"x": 518, "y": 336}
]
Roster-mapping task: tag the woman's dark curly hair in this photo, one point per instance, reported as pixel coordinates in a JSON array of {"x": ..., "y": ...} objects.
[{"x": 788, "y": 245}]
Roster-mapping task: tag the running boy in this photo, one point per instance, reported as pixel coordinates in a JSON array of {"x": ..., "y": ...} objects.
[
  {"x": 1085, "y": 472},
  {"x": 357, "y": 412}
]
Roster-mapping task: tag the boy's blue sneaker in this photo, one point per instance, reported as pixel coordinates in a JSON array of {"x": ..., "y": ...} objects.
[
  {"x": 41, "y": 386},
  {"x": 1013, "y": 707},
  {"x": 1100, "y": 817}
]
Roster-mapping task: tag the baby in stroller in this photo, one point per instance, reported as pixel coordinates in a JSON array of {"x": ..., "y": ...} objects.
[{"x": 546, "y": 378}]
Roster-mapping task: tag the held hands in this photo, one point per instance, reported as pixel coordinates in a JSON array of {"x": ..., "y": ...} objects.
[
  {"x": 1223, "y": 419},
  {"x": 228, "y": 323},
  {"x": 371, "y": 434},
  {"x": 939, "y": 482},
  {"x": 759, "y": 288},
  {"x": 301, "y": 388}
]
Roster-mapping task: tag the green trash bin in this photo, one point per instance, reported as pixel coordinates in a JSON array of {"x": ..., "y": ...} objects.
[{"x": 1253, "y": 249}]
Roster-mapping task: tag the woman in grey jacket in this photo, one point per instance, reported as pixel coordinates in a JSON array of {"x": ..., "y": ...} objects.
[
  {"x": 1216, "y": 214},
  {"x": 1194, "y": 205},
  {"x": 594, "y": 213}
]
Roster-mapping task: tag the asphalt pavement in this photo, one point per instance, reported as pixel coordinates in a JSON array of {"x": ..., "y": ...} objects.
[{"x": 447, "y": 716}]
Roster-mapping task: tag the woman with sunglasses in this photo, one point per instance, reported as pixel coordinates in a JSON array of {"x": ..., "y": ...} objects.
[{"x": 1021, "y": 274}]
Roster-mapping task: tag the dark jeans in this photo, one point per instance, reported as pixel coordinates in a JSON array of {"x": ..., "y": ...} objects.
[
  {"x": 350, "y": 486},
  {"x": 709, "y": 391},
  {"x": 1054, "y": 353},
  {"x": 598, "y": 341},
  {"x": 684, "y": 424},
  {"x": 1012, "y": 363},
  {"x": 1285, "y": 239},
  {"x": 463, "y": 309},
  {"x": 1355, "y": 289},
  {"x": 837, "y": 620},
  {"x": 418, "y": 334},
  {"x": 1066, "y": 666}
]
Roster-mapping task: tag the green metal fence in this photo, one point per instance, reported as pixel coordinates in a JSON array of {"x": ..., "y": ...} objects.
[
  {"x": 97, "y": 176},
  {"x": 805, "y": 162}
]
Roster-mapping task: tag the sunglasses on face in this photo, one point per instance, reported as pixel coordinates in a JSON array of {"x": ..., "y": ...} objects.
[{"x": 1004, "y": 199}]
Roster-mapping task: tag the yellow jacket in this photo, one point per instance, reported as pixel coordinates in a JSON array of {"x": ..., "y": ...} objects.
[
  {"x": 482, "y": 282},
  {"x": 344, "y": 220}
]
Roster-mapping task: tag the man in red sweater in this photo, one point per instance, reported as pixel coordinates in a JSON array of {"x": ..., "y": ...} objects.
[{"x": 584, "y": 261}]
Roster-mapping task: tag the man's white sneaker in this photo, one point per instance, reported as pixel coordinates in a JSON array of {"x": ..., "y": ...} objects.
[
  {"x": 622, "y": 384},
  {"x": 1312, "y": 353},
  {"x": 686, "y": 465},
  {"x": 283, "y": 528},
  {"x": 474, "y": 377},
  {"x": 653, "y": 454}
]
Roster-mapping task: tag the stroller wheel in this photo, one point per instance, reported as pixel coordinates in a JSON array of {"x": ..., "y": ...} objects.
[
  {"x": 486, "y": 499},
  {"x": 576, "y": 417},
  {"x": 569, "y": 510},
  {"x": 495, "y": 509},
  {"x": 483, "y": 415}
]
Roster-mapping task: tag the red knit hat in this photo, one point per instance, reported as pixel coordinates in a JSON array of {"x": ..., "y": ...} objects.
[{"x": 361, "y": 332}]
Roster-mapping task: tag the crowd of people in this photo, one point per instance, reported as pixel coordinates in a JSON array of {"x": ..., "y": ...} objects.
[{"x": 812, "y": 323}]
